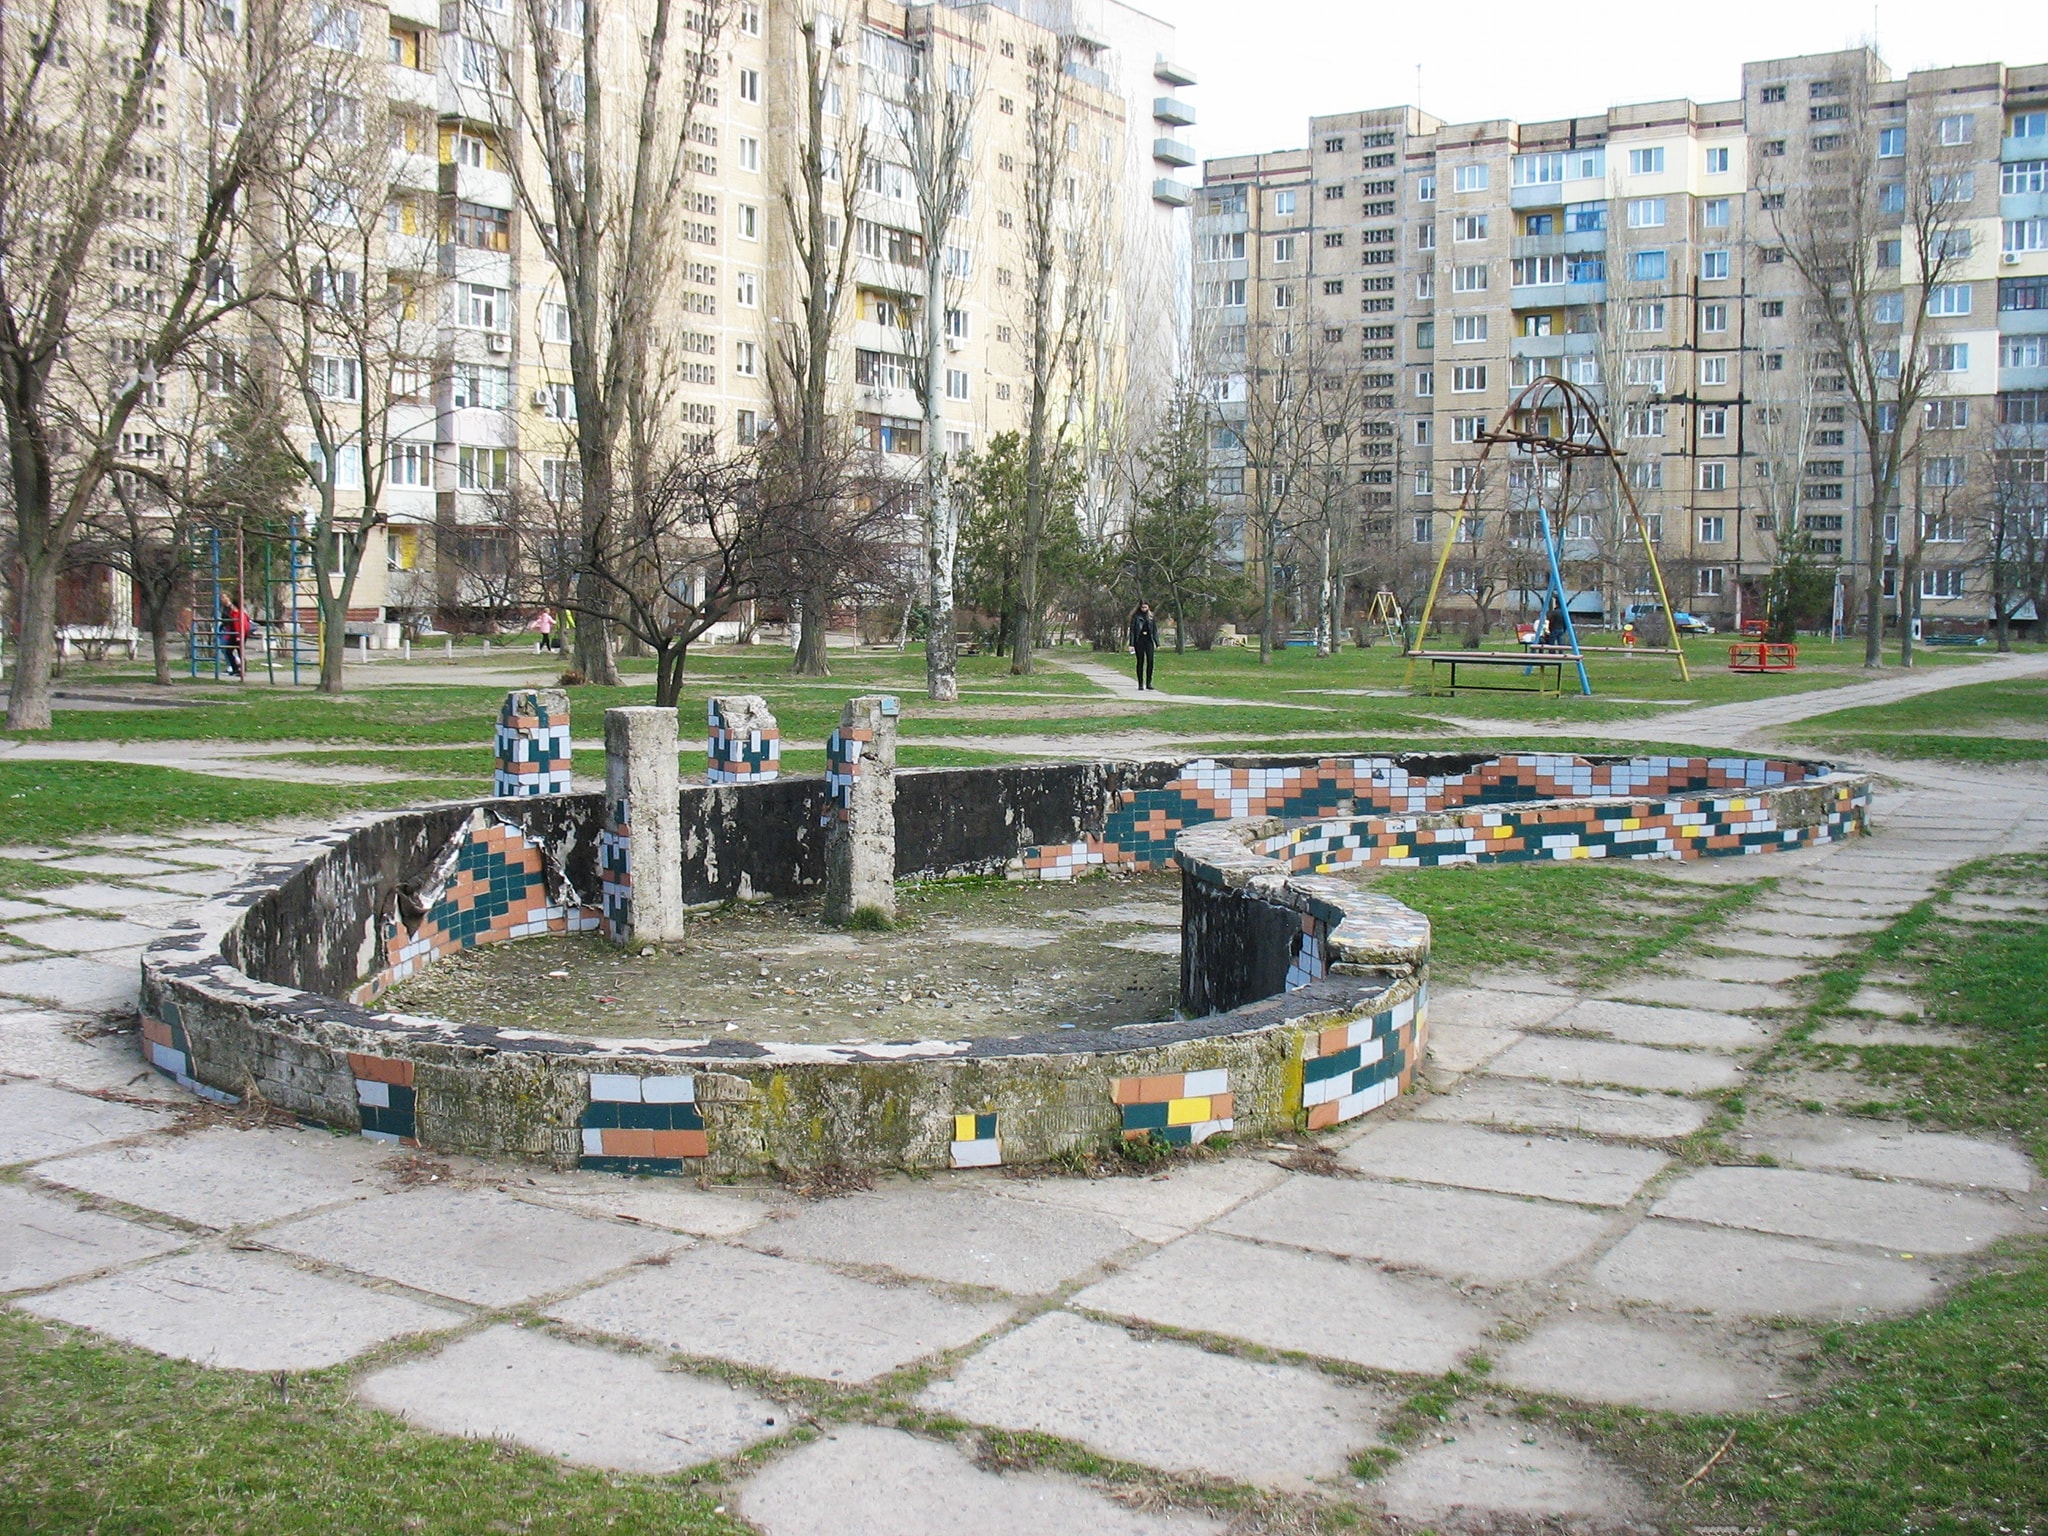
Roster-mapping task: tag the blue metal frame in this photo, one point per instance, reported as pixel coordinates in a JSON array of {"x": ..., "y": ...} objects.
[{"x": 1558, "y": 596}]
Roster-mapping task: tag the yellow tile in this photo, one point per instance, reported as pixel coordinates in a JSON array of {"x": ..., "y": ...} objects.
[
  {"x": 1582, "y": 852},
  {"x": 1187, "y": 1111},
  {"x": 963, "y": 1127},
  {"x": 1632, "y": 824},
  {"x": 1500, "y": 832},
  {"x": 1398, "y": 851}
]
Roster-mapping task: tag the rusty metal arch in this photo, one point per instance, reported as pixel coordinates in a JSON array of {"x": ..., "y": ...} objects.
[{"x": 1585, "y": 436}]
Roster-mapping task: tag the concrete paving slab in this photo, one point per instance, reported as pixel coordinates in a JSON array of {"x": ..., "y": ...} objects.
[
  {"x": 1688, "y": 992},
  {"x": 1289, "y": 1300},
  {"x": 590, "y": 1406},
  {"x": 38, "y": 1121},
  {"x": 662, "y": 1203},
  {"x": 1893, "y": 1005},
  {"x": 1770, "y": 970},
  {"x": 1492, "y": 1239},
  {"x": 858, "y": 1481},
  {"x": 966, "y": 1237},
  {"x": 1928, "y": 1157},
  {"x": 1275, "y": 1425},
  {"x": 226, "y": 1178},
  {"x": 64, "y": 1049},
  {"x": 1647, "y": 1024},
  {"x": 44, "y": 1240},
  {"x": 1485, "y": 1008},
  {"x": 1497, "y": 1467},
  {"x": 1891, "y": 1032},
  {"x": 1598, "y": 1359},
  {"x": 1460, "y": 1048},
  {"x": 1629, "y": 1066},
  {"x": 778, "y": 1314},
  {"x": 473, "y": 1245},
  {"x": 98, "y": 896},
  {"x": 239, "y": 1312},
  {"x": 35, "y": 852},
  {"x": 86, "y": 985},
  {"x": 1520, "y": 1104},
  {"x": 1749, "y": 1274},
  {"x": 12, "y": 911},
  {"x": 121, "y": 864},
  {"x": 1547, "y": 1167},
  {"x": 210, "y": 856},
  {"x": 191, "y": 882},
  {"x": 1802, "y": 924},
  {"x": 1907, "y": 1218},
  {"x": 1519, "y": 981},
  {"x": 81, "y": 935},
  {"x": 1156, "y": 1209},
  {"x": 1789, "y": 945}
]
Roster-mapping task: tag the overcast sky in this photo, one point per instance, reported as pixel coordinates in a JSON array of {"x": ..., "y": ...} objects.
[{"x": 1266, "y": 65}]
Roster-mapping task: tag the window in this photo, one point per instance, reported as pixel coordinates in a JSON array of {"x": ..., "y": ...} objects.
[
  {"x": 1537, "y": 170},
  {"x": 1713, "y": 530},
  {"x": 1949, "y": 357},
  {"x": 336, "y": 378},
  {"x": 481, "y": 228},
  {"x": 482, "y": 469},
  {"x": 1713, "y": 421},
  {"x": 2029, "y": 125},
  {"x": 483, "y": 308},
  {"x": 337, "y": 26},
  {"x": 1710, "y": 581},
  {"x": 1771, "y": 93},
  {"x": 1466, "y": 429},
  {"x": 1957, "y": 188},
  {"x": 956, "y": 383},
  {"x": 1283, "y": 296},
  {"x": 1425, "y": 385},
  {"x": 1949, "y": 299},
  {"x": 1713, "y": 265},
  {"x": 1889, "y": 253},
  {"x": 1469, "y": 178},
  {"x": 1713, "y": 477},
  {"x": 750, "y": 85},
  {"x": 2019, "y": 177},
  {"x": 410, "y": 465},
  {"x": 1646, "y": 213},
  {"x": 1425, "y": 285},
  {"x": 1891, "y": 197},
  {"x": 1771, "y": 149},
  {"x": 1713, "y": 318},
  {"x": 746, "y": 359},
  {"x": 554, "y": 322},
  {"x": 1425, "y": 189},
  {"x": 1471, "y": 279},
  {"x": 2021, "y": 351},
  {"x": 481, "y": 386},
  {"x": 1333, "y": 286},
  {"x": 1713, "y": 370},
  {"x": 746, "y": 290},
  {"x": 1283, "y": 248},
  {"x": 750, "y": 20},
  {"x": 1469, "y": 379},
  {"x": 1584, "y": 218},
  {"x": 1891, "y": 143},
  {"x": 1646, "y": 371},
  {"x": 1333, "y": 146},
  {"x": 1717, "y": 162},
  {"x": 1334, "y": 192},
  {"x": 2024, "y": 235},
  {"x": 1526, "y": 271},
  {"x": 1961, "y": 128},
  {"x": 1283, "y": 203},
  {"x": 1647, "y": 475},
  {"x": 1468, "y": 328},
  {"x": 1423, "y": 427},
  {"x": 558, "y": 401},
  {"x": 1947, "y": 415},
  {"x": 1646, "y": 317},
  {"x": 1469, "y": 226},
  {"x": 1714, "y": 213},
  {"x": 1645, "y": 421},
  {"x": 1942, "y": 581},
  {"x": 1425, "y": 237},
  {"x": 1646, "y": 162},
  {"x": 1648, "y": 266}
]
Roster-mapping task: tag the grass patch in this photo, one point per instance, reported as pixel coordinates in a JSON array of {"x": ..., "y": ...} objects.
[
  {"x": 1674, "y": 930},
  {"x": 97, "y": 1438},
  {"x": 56, "y": 801},
  {"x": 1981, "y": 751}
]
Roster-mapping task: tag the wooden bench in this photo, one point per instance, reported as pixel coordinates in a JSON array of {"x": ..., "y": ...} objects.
[{"x": 1538, "y": 661}]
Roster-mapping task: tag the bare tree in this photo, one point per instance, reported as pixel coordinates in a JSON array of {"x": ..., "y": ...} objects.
[
  {"x": 88, "y": 183},
  {"x": 1867, "y": 258},
  {"x": 2016, "y": 525},
  {"x": 1172, "y": 540}
]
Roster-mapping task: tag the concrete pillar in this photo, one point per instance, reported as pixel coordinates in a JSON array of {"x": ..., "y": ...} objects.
[
  {"x": 533, "y": 743},
  {"x": 744, "y": 744},
  {"x": 640, "y": 850},
  {"x": 860, "y": 815}
]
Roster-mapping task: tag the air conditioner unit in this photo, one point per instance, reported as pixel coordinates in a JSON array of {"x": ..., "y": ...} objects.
[
  {"x": 540, "y": 399},
  {"x": 501, "y": 343},
  {"x": 2011, "y": 258}
]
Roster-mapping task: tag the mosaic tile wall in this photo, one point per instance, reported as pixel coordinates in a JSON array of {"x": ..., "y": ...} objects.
[
  {"x": 387, "y": 1099},
  {"x": 1185, "y": 1109},
  {"x": 975, "y": 1143},
  {"x": 1140, "y": 831},
  {"x": 643, "y": 1124},
  {"x": 845, "y": 750},
  {"x": 615, "y": 871},
  {"x": 166, "y": 1048},
  {"x": 1357, "y": 1067},
  {"x": 533, "y": 744},
  {"x": 494, "y": 883},
  {"x": 1628, "y": 829},
  {"x": 743, "y": 750}
]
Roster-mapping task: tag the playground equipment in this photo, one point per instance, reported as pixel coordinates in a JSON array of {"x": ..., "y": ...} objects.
[
  {"x": 1762, "y": 656},
  {"x": 1556, "y": 420},
  {"x": 1384, "y": 615},
  {"x": 280, "y": 632}
]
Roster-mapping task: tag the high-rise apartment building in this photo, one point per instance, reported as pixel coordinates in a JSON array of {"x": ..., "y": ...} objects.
[
  {"x": 485, "y": 401},
  {"x": 1652, "y": 254}
]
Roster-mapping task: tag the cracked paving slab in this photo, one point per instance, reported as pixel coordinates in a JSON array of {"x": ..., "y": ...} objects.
[
  {"x": 1906, "y": 1218},
  {"x": 38, "y": 1121},
  {"x": 1547, "y": 1167},
  {"x": 226, "y": 1178},
  {"x": 44, "y": 1240}
]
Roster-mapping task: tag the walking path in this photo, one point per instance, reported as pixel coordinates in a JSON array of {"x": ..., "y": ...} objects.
[{"x": 1253, "y": 1318}]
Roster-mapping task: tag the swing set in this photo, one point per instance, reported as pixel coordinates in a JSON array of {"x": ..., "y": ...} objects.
[{"x": 1555, "y": 420}]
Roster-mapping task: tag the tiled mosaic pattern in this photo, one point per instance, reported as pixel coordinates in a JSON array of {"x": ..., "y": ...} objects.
[
  {"x": 1628, "y": 829},
  {"x": 165, "y": 1047},
  {"x": 1311, "y": 959},
  {"x": 615, "y": 871},
  {"x": 1141, "y": 830},
  {"x": 1357, "y": 1067},
  {"x": 845, "y": 750},
  {"x": 1186, "y": 1108},
  {"x": 532, "y": 746},
  {"x": 642, "y": 1124},
  {"x": 975, "y": 1143},
  {"x": 493, "y": 885},
  {"x": 741, "y": 752},
  {"x": 385, "y": 1095}
]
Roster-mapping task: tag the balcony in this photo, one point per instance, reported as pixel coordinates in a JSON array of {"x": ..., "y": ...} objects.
[
  {"x": 415, "y": 173},
  {"x": 1547, "y": 194},
  {"x": 1168, "y": 73},
  {"x": 474, "y": 184},
  {"x": 1167, "y": 109},
  {"x": 492, "y": 268},
  {"x": 1537, "y": 296},
  {"x": 1537, "y": 346},
  {"x": 1172, "y": 152},
  {"x": 1536, "y": 245},
  {"x": 2023, "y": 149},
  {"x": 2022, "y": 322},
  {"x": 2023, "y": 205},
  {"x": 1173, "y": 194},
  {"x": 2013, "y": 380},
  {"x": 426, "y": 13},
  {"x": 419, "y": 88}
]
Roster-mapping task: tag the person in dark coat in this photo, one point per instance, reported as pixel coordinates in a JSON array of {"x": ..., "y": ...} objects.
[{"x": 1144, "y": 642}]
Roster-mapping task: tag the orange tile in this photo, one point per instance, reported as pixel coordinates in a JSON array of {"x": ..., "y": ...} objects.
[
  {"x": 623, "y": 1143},
  {"x": 1322, "y": 1116},
  {"x": 156, "y": 1032},
  {"x": 1331, "y": 1041},
  {"x": 1158, "y": 1090},
  {"x": 1125, "y": 1090},
  {"x": 381, "y": 1069},
  {"x": 681, "y": 1143},
  {"x": 1220, "y": 1105}
]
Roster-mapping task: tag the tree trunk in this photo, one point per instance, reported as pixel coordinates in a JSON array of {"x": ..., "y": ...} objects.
[
  {"x": 333, "y": 641},
  {"x": 670, "y": 661},
  {"x": 28, "y": 699},
  {"x": 1266, "y": 574},
  {"x": 1180, "y": 629},
  {"x": 1323, "y": 618},
  {"x": 160, "y": 648},
  {"x": 810, "y": 634},
  {"x": 1873, "y": 597},
  {"x": 942, "y": 541}
]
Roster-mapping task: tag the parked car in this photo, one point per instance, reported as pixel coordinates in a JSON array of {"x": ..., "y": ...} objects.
[{"x": 1687, "y": 623}]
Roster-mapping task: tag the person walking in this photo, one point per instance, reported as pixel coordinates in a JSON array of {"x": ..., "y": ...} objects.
[
  {"x": 236, "y": 626},
  {"x": 545, "y": 624},
  {"x": 1144, "y": 643}
]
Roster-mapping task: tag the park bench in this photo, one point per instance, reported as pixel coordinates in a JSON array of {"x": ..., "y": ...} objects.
[{"x": 1540, "y": 662}]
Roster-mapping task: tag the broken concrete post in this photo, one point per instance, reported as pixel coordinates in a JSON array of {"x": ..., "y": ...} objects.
[
  {"x": 744, "y": 744},
  {"x": 640, "y": 850},
  {"x": 860, "y": 813},
  {"x": 533, "y": 743}
]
